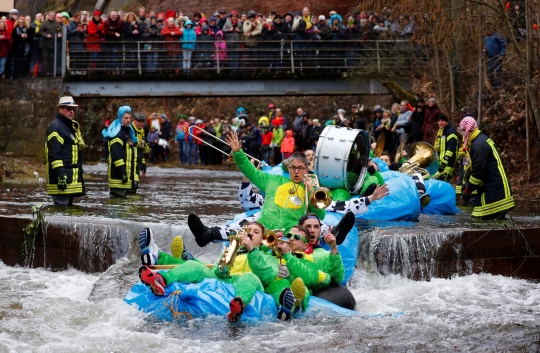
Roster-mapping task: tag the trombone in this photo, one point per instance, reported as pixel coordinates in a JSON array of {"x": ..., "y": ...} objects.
[{"x": 229, "y": 155}]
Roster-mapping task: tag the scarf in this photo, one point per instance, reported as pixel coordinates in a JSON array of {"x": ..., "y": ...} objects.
[
  {"x": 307, "y": 20},
  {"x": 467, "y": 125},
  {"x": 21, "y": 30},
  {"x": 114, "y": 128}
]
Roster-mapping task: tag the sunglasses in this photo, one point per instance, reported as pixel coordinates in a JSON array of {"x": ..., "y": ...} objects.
[
  {"x": 69, "y": 109},
  {"x": 295, "y": 237}
]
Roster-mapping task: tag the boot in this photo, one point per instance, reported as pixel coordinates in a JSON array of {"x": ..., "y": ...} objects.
[
  {"x": 344, "y": 227},
  {"x": 203, "y": 234}
]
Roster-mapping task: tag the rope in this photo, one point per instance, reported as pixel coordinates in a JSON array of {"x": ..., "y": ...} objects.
[{"x": 172, "y": 303}]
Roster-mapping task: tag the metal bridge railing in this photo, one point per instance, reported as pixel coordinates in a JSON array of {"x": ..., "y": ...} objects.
[{"x": 209, "y": 57}]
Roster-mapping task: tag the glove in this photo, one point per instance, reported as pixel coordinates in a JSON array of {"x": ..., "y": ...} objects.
[
  {"x": 143, "y": 168},
  {"x": 466, "y": 195},
  {"x": 62, "y": 182},
  {"x": 124, "y": 178}
]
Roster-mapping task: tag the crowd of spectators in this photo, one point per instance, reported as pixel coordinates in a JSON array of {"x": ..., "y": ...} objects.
[
  {"x": 273, "y": 137},
  {"x": 172, "y": 39}
]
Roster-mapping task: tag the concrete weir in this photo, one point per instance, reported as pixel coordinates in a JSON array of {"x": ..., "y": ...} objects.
[
  {"x": 424, "y": 254},
  {"x": 84, "y": 244}
]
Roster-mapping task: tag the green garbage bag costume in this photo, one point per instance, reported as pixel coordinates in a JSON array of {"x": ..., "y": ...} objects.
[
  {"x": 278, "y": 210},
  {"x": 250, "y": 272},
  {"x": 331, "y": 264},
  {"x": 299, "y": 266}
]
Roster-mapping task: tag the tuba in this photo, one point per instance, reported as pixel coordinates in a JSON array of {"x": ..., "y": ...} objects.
[
  {"x": 321, "y": 197},
  {"x": 422, "y": 155},
  {"x": 229, "y": 254}
]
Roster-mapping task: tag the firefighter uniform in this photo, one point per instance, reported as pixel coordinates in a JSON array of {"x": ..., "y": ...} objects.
[
  {"x": 121, "y": 163},
  {"x": 488, "y": 177},
  {"x": 63, "y": 147},
  {"x": 446, "y": 146}
]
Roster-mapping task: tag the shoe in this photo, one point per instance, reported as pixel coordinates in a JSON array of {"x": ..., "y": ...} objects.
[
  {"x": 299, "y": 291},
  {"x": 236, "y": 307},
  {"x": 203, "y": 234},
  {"x": 149, "y": 249},
  {"x": 286, "y": 300},
  {"x": 177, "y": 247},
  {"x": 152, "y": 279},
  {"x": 344, "y": 227},
  {"x": 425, "y": 199}
]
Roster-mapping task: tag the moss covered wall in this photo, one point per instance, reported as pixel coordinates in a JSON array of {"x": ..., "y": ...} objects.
[{"x": 27, "y": 106}]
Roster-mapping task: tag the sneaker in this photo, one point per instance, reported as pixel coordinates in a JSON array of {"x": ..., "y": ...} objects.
[
  {"x": 286, "y": 300},
  {"x": 299, "y": 291},
  {"x": 236, "y": 307},
  {"x": 152, "y": 279},
  {"x": 149, "y": 249},
  {"x": 177, "y": 247}
]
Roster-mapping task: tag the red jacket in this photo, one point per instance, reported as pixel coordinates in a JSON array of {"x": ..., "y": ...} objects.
[
  {"x": 288, "y": 142},
  {"x": 174, "y": 45},
  {"x": 95, "y": 35},
  {"x": 267, "y": 138},
  {"x": 5, "y": 43}
]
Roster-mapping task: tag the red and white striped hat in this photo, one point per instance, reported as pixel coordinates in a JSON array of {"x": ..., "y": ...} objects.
[{"x": 468, "y": 124}]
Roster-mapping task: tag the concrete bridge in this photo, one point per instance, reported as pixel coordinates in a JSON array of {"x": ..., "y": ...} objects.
[{"x": 155, "y": 68}]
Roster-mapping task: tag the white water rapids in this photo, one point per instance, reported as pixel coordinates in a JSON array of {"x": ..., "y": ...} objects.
[{"x": 44, "y": 311}]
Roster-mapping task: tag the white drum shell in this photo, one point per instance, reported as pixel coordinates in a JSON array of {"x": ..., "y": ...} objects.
[{"x": 332, "y": 156}]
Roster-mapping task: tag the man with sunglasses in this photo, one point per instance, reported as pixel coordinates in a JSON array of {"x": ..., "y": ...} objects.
[
  {"x": 63, "y": 150},
  {"x": 298, "y": 274}
]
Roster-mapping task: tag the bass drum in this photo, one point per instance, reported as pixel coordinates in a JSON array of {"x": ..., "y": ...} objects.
[{"x": 341, "y": 158}]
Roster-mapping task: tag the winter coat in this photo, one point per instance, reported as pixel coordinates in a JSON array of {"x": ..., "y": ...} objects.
[
  {"x": 120, "y": 160},
  {"x": 255, "y": 30},
  {"x": 404, "y": 120},
  {"x": 488, "y": 176},
  {"x": 288, "y": 142},
  {"x": 189, "y": 37},
  {"x": 447, "y": 148},
  {"x": 253, "y": 137},
  {"x": 95, "y": 35},
  {"x": 205, "y": 46},
  {"x": 128, "y": 32},
  {"x": 220, "y": 47},
  {"x": 172, "y": 41},
  {"x": 277, "y": 136},
  {"x": 52, "y": 28},
  {"x": 418, "y": 121},
  {"x": 111, "y": 27},
  {"x": 5, "y": 43},
  {"x": 231, "y": 35},
  {"x": 495, "y": 45},
  {"x": 282, "y": 30},
  {"x": 20, "y": 45},
  {"x": 72, "y": 32},
  {"x": 430, "y": 127},
  {"x": 64, "y": 156}
]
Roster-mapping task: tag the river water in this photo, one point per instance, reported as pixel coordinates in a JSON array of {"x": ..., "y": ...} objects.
[{"x": 45, "y": 311}]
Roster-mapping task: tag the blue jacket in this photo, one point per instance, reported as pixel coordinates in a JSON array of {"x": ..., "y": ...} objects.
[
  {"x": 188, "y": 36},
  {"x": 495, "y": 45}
]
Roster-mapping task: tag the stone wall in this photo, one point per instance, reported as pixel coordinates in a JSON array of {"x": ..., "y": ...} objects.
[{"x": 27, "y": 106}]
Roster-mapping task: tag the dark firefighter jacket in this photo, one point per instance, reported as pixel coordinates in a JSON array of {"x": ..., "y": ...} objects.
[
  {"x": 488, "y": 176},
  {"x": 121, "y": 160},
  {"x": 448, "y": 145},
  {"x": 63, "y": 151}
]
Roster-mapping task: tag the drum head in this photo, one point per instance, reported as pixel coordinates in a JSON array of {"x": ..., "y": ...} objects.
[{"x": 357, "y": 162}]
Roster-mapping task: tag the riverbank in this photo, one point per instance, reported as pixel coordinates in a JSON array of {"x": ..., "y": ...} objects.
[{"x": 22, "y": 170}]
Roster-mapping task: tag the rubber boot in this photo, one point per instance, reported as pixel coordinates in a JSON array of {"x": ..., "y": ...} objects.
[
  {"x": 203, "y": 234},
  {"x": 344, "y": 227}
]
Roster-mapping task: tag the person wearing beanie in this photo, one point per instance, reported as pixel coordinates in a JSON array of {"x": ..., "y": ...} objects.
[
  {"x": 253, "y": 29},
  {"x": 446, "y": 146},
  {"x": 486, "y": 173}
]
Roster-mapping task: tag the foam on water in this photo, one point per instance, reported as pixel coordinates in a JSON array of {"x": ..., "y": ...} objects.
[{"x": 44, "y": 311}]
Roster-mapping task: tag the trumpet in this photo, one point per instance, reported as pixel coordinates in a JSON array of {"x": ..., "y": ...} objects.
[
  {"x": 271, "y": 240},
  {"x": 229, "y": 254},
  {"x": 321, "y": 197},
  {"x": 229, "y": 155}
]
